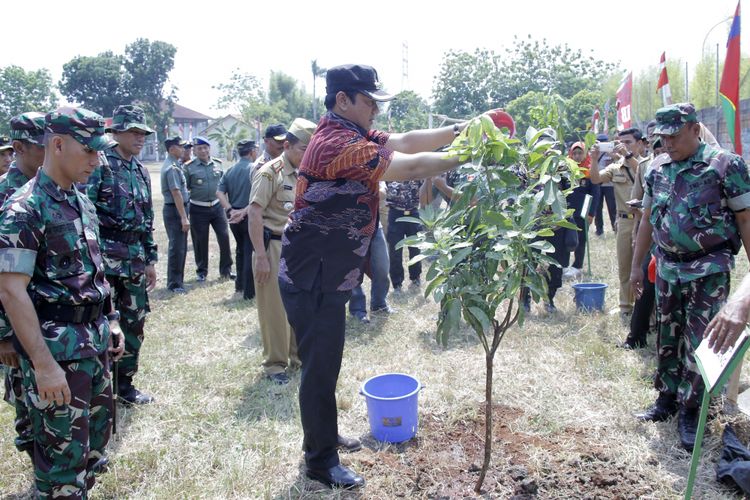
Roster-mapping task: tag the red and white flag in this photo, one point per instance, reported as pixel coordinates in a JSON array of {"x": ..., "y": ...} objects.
[
  {"x": 625, "y": 102},
  {"x": 663, "y": 83},
  {"x": 595, "y": 121}
]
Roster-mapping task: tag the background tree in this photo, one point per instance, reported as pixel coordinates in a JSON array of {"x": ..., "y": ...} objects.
[
  {"x": 468, "y": 84},
  {"x": 148, "y": 65},
  {"x": 296, "y": 102},
  {"x": 22, "y": 91},
  {"x": 98, "y": 83},
  {"x": 408, "y": 111},
  {"x": 229, "y": 137}
]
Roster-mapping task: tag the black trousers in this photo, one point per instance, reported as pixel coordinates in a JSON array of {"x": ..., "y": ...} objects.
[
  {"x": 177, "y": 249},
  {"x": 244, "y": 257},
  {"x": 580, "y": 251},
  {"x": 643, "y": 307},
  {"x": 200, "y": 219},
  {"x": 397, "y": 231},
  {"x": 318, "y": 319},
  {"x": 606, "y": 194}
]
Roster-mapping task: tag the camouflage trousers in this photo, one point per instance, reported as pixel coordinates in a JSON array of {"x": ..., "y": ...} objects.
[
  {"x": 131, "y": 301},
  {"x": 69, "y": 439},
  {"x": 16, "y": 397},
  {"x": 684, "y": 310}
]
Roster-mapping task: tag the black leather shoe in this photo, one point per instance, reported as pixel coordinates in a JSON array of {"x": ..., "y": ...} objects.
[
  {"x": 348, "y": 444},
  {"x": 337, "y": 477},
  {"x": 132, "y": 396},
  {"x": 385, "y": 310},
  {"x": 362, "y": 317},
  {"x": 201, "y": 278},
  {"x": 662, "y": 410},
  {"x": 687, "y": 426},
  {"x": 279, "y": 378},
  {"x": 101, "y": 466}
]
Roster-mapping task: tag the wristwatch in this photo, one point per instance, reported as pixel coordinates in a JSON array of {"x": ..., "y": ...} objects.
[{"x": 629, "y": 156}]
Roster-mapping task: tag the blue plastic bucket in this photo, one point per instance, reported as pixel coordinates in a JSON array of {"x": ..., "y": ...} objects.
[
  {"x": 589, "y": 296},
  {"x": 392, "y": 406}
]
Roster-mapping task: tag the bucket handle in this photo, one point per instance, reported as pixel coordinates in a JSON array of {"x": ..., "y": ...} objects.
[{"x": 421, "y": 386}]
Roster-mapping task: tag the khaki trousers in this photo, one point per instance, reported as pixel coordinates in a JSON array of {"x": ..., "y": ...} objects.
[
  {"x": 279, "y": 344},
  {"x": 624, "y": 260}
]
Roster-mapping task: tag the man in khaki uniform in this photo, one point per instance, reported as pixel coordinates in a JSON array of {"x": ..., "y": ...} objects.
[
  {"x": 621, "y": 173},
  {"x": 271, "y": 200}
]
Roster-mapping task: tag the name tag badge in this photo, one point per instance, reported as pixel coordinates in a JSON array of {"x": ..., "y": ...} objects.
[{"x": 288, "y": 188}]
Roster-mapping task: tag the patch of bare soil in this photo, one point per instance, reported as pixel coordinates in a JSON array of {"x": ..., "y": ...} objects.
[{"x": 444, "y": 461}]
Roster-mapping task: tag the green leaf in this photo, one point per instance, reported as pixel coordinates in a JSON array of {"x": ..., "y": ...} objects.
[
  {"x": 481, "y": 317},
  {"x": 413, "y": 220},
  {"x": 459, "y": 256}
]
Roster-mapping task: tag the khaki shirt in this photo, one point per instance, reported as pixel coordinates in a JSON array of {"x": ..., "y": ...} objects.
[
  {"x": 639, "y": 188},
  {"x": 274, "y": 187},
  {"x": 622, "y": 179}
]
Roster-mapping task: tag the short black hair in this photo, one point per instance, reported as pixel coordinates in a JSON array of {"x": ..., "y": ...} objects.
[
  {"x": 291, "y": 139},
  {"x": 635, "y": 132},
  {"x": 330, "y": 100},
  {"x": 246, "y": 150}
]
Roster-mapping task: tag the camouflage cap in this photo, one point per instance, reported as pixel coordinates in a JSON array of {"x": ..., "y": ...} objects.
[
  {"x": 670, "y": 119},
  {"x": 246, "y": 144},
  {"x": 28, "y": 127},
  {"x": 81, "y": 124},
  {"x": 302, "y": 129},
  {"x": 128, "y": 117},
  {"x": 5, "y": 143}
]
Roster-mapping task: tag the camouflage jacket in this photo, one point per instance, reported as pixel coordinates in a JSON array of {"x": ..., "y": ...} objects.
[
  {"x": 52, "y": 235},
  {"x": 692, "y": 209},
  {"x": 121, "y": 192},
  {"x": 10, "y": 182}
]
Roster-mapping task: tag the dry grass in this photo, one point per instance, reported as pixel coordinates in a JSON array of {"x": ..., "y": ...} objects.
[{"x": 219, "y": 430}]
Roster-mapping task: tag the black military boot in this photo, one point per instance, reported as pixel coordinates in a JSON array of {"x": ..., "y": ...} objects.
[
  {"x": 129, "y": 395},
  {"x": 687, "y": 426},
  {"x": 663, "y": 409}
]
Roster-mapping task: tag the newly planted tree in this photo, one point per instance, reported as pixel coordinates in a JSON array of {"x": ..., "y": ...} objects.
[{"x": 489, "y": 246}]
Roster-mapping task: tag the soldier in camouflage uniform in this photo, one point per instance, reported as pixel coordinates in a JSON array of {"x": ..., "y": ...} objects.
[
  {"x": 121, "y": 192},
  {"x": 53, "y": 286},
  {"x": 6, "y": 153},
  {"x": 695, "y": 210},
  {"x": 27, "y": 133}
]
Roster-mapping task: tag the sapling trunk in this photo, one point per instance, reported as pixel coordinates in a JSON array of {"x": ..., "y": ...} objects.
[{"x": 487, "y": 421}]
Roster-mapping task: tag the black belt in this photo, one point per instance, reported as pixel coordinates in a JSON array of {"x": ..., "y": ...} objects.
[
  {"x": 127, "y": 237},
  {"x": 625, "y": 216},
  {"x": 66, "y": 313},
  {"x": 689, "y": 257}
]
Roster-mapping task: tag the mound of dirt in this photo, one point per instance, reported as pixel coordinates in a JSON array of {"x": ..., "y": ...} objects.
[{"x": 444, "y": 461}]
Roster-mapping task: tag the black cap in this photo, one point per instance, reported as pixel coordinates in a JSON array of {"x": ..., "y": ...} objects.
[
  {"x": 277, "y": 132},
  {"x": 245, "y": 146},
  {"x": 357, "y": 78},
  {"x": 175, "y": 141}
]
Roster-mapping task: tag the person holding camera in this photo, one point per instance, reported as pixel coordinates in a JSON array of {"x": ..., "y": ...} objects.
[
  {"x": 625, "y": 153},
  {"x": 696, "y": 211}
]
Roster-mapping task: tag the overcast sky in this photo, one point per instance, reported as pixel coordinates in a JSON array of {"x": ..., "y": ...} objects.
[{"x": 214, "y": 37}]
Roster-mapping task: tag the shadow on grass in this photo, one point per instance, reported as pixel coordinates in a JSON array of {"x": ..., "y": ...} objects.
[
  {"x": 307, "y": 489},
  {"x": 265, "y": 400}
]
